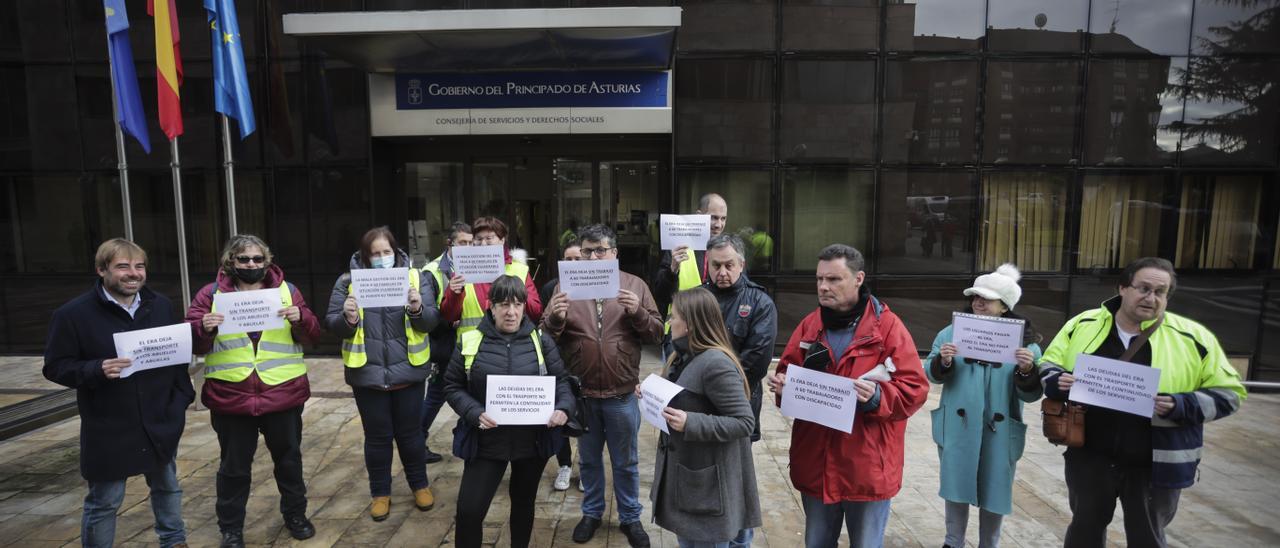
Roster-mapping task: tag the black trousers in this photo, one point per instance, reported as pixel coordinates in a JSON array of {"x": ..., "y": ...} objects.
[
  {"x": 480, "y": 480},
  {"x": 238, "y": 441},
  {"x": 564, "y": 457},
  {"x": 1094, "y": 482}
]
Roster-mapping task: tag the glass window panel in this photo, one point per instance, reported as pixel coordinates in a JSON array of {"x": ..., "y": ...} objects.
[
  {"x": 1229, "y": 307},
  {"x": 1023, "y": 215},
  {"x": 44, "y": 293},
  {"x": 618, "y": 3},
  {"x": 1133, "y": 111},
  {"x": 290, "y": 227},
  {"x": 926, "y": 220},
  {"x": 629, "y": 197},
  {"x": 1268, "y": 365},
  {"x": 36, "y": 31},
  {"x": 830, "y": 24},
  {"x": 1120, "y": 219},
  {"x": 1036, "y": 25},
  {"x": 930, "y": 112},
  {"x": 284, "y": 123},
  {"x": 516, "y": 4},
  {"x": 434, "y": 195},
  {"x": 748, "y": 195},
  {"x": 726, "y": 25},
  {"x": 38, "y": 118},
  {"x": 1031, "y": 111},
  {"x": 1218, "y": 221},
  {"x": 725, "y": 109},
  {"x": 291, "y": 46},
  {"x": 55, "y": 222},
  {"x": 340, "y": 209},
  {"x": 925, "y": 305},
  {"x": 821, "y": 207},
  {"x": 1236, "y": 26},
  {"x": 1233, "y": 109},
  {"x": 935, "y": 25},
  {"x": 1141, "y": 26},
  {"x": 828, "y": 111},
  {"x": 337, "y": 115}
]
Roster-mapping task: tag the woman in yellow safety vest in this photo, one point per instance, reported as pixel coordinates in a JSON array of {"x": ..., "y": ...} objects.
[
  {"x": 254, "y": 381},
  {"x": 385, "y": 350}
]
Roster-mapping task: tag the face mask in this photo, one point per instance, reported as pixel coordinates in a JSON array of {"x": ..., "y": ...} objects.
[
  {"x": 251, "y": 275},
  {"x": 383, "y": 262}
]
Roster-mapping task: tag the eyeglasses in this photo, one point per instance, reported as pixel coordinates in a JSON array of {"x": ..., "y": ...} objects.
[
  {"x": 597, "y": 251},
  {"x": 245, "y": 259},
  {"x": 1146, "y": 291}
]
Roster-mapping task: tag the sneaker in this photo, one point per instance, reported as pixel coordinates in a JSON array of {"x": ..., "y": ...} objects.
[
  {"x": 635, "y": 534},
  {"x": 562, "y": 478},
  {"x": 300, "y": 527},
  {"x": 380, "y": 508},
  {"x": 585, "y": 529},
  {"x": 581, "y": 488},
  {"x": 433, "y": 457},
  {"x": 423, "y": 499},
  {"x": 232, "y": 539}
]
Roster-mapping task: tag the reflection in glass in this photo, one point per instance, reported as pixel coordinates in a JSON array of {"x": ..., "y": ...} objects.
[
  {"x": 935, "y": 25},
  {"x": 828, "y": 111},
  {"x": 1218, "y": 221},
  {"x": 830, "y": 24},
  {"x": 1119, "y": 220},
  {"x": 56, "y": 222},
  {"x": 821, "y": 207},
  {"x": 1036, "y": 25},
  {"x": 629, "y": 192},
  {"x": 340, "y": 209},
  {"x": 1140, "y": 26},
  {"x": 1133, "y": 111},
  {"x": 1236, "y": 26},
  {"x": 1023, "y": 219},
  {"x": 725, "y": 109},
  {"x": 930, "y": 112},
  {"x": 925, "y": 222},
  {"x": 433, "y": 195},
  {"x": 489, "y": 184},
  {"x": 1030, "y": 111},
  {"x": 925, "y": 305},
  {"x": 1233, "y": 108},
  {"x": 747, "y": 193},
  {"x": 726, "y": 25}
]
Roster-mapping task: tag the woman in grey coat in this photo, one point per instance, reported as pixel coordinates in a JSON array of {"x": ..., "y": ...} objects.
[
  {"x": 385, "y": 351},
  {"x": 704, "y": 481}
]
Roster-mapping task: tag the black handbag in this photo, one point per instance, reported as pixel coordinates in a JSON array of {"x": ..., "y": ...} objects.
[{"x": 577, "y": 423}]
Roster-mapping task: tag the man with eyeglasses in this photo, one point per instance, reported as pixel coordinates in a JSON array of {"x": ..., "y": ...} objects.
[
  {"x": 1143, "y": 461},
  {"x": 438, "y": 272},
  {"x": 600, "y": 341}
]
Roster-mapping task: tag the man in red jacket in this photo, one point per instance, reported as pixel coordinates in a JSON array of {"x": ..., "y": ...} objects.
[{"x": 852, "y": 477}]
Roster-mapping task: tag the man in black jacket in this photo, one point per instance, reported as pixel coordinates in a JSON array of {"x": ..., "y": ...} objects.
[
  {"x": 131, "y": 425},
  {"x": 749, "y": 313}
]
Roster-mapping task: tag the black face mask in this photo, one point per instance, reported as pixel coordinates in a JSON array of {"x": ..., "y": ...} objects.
[
  {"x": 681, "y": 344},
  {"x": 251, "y": 275}
]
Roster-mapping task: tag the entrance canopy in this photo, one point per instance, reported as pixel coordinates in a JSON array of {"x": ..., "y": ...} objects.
[{"x": 508, "y": 39}]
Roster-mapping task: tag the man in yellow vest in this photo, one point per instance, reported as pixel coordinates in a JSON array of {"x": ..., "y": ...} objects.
[
  {"x": 679, "y": 269},
  {"x": 466, "y": 303},
  {"x": 437, "y": 273},
  {"x": 255, "y": 382},
  {"x": 1146, "y": 462}
]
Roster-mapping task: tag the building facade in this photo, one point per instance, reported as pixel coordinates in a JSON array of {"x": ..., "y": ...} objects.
[{"x": 941, "y": 137}]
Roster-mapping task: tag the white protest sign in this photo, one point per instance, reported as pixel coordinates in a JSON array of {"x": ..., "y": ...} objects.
[
  {"x": 589, "y": 279},
  {"x": 379, "y": 287},
  {"x": 520, "y": 399},
  {"x": 1114, "y": 384},
  {"x": 249, "y": 311},
  {"x": 657, "y": 395},
  {"x": 819, "y": 397},
  {"x": 479, "y": 264},
  {"x": 154, "y": 347},
  {"x": 687, "y": 230},
  {"x": 987, "y": 338}
]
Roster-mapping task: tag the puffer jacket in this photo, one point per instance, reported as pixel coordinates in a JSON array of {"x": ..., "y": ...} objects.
[
  {"x": 384, "y": 336},
  {"x": 505, "y": 354}
]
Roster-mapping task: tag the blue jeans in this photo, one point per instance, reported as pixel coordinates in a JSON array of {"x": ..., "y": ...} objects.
[
  {"x": 743, "y": 540},
  {"x": 865, "y": 520},
  {"x": 387, "y": 416},
  {"x": 615, "y": 421},
  {"x": 431, "y": 406},
  {"x": 98, "y": 525}
]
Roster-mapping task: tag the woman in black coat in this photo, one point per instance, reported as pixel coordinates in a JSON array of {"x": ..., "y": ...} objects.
[{"x": 505, "y": 343}]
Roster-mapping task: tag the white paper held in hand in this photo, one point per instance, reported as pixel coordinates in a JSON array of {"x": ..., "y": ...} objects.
[
  {"x": 684, "y": 230},
  {"x": 822, "y": 398},
  {"x": 380, "y": 287},
  {"x": 248, "y": 311},
  {"x": 520, "y": 399},
  {"x": 582, "y": 280},
  {"x": 479, "y": 264},
  {"x": 1114, "y": 384},
  {"x": 657, "y": 394},
  {"x": 154, "y": 347}
]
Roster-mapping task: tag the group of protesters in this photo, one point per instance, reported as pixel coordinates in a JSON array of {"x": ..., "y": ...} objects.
[{"x": 717, "y": 329}]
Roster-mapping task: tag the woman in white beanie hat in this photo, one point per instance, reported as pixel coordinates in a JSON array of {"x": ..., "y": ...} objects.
[{"x": 978, "y": 426}]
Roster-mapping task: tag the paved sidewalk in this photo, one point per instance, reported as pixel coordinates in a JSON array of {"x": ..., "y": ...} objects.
[{"x": 1237, "y": 501}]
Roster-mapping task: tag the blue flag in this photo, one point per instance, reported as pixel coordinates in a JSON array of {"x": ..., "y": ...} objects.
[
  {"x": 230, "y": 79},
  {"x": 129, "y": 113}
]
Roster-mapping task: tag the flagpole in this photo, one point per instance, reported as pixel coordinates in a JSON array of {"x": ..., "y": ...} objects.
[
  {"x": 176, "y": 167},
  {"x": 122, "y": 160},
  {"x": 228, "y": 166}
]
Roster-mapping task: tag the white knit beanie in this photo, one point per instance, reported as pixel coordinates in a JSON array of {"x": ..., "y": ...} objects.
[{"x": 1001, "y": 284}]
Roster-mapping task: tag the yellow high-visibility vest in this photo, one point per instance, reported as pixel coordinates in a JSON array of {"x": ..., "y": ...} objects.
[
  {"x": 471, "y": 311},
  {"x": 277, "y": 359},
  {"x": 688, "y": 277},
  {"x": 353, "y": 352}
]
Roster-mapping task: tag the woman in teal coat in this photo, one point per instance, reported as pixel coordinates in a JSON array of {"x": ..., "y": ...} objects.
[{"x": 978, "y": 427}]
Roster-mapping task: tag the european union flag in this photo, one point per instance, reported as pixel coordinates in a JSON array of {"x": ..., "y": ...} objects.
[
  {"x": 230, "y": 79},
  {"x": 129, "y": 113}
]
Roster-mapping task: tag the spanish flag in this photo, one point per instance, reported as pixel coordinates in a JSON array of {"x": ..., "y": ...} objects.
[{"x": 168, "y": 65}]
